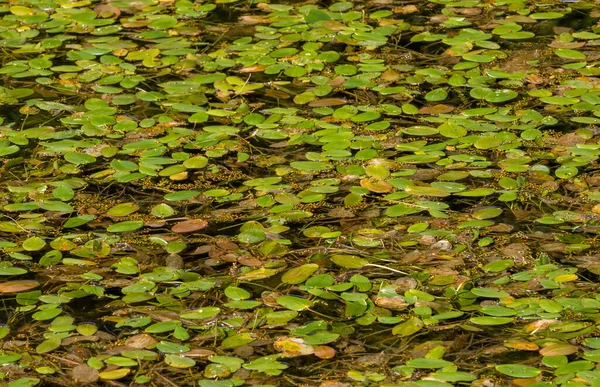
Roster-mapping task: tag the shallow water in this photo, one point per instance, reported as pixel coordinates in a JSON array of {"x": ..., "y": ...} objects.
[{"x": 306, "y": 193}]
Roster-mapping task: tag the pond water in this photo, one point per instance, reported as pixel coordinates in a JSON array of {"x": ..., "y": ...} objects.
[{"x": 224, "y": 193}]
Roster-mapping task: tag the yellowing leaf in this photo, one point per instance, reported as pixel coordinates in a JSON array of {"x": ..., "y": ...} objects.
[{"x": 299, "y": 274}]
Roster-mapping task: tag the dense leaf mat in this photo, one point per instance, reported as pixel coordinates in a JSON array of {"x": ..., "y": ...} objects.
[{"x": 224, "y": 193}]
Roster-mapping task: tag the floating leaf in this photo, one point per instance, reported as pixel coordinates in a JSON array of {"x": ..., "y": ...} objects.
[
  {"x": 294, "y": 303},
  {"x": 428, "y": 363},
  {"x": 557, "y": 100},
  {"x": 299, "y": 274},
  {"x": 485, "y": 320},
  {"x": 79, "y": 158},
  {"x": 314, "y": 166},
  {"x": 130, "y": 225},
  {"x": 518, "y": 370},
  {"x": 570, "y": 54},
  {"x": 48, "y": 345},
  {"x": 349, "y": 261},
  {"x": 33, "y": 243},
  {"x": 191, "y": 225},
  {"x": 179, "y": 361},
  {"x": 409, "y": 327},
  {"x": 115, "y": 374},
  {"x": 18, "y": 286},
  {"x": 122, "y": 209}
]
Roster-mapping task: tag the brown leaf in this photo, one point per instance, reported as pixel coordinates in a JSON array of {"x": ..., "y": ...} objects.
[
  {"x": 390, "y": 76},
  {"x": 189, "y": 226},
  {"x": 250, "y": 261},
  {"x": 83, "y": 374},
  {"x": 174, "y": 261},
  {"x": 376, "y": 185},
  {"x": 437, "y": 109},
  {"x": 277, "y": 94},
  {"x": 558, "y": 349},
  {"x": 523, "y": 345},
  {"x": 339, "y": 212},
  {"x": 406, "y": 9},
  {"x": 200, "y": 352},
  {"x": 252, "y": 69},
  {"x": 468, "y": 11},
  {"x": 324, "y": 352},
  {"x": 517, "y": 251},
  {"x": 253, "y": 19},
  {"x": 337, "y": 81},
  {"x": 18, "y": 286},
  {"x": 227, "y": 245},
  {"x": 393, "y": 303},
  {"x": 106, "y": 11},
  {"x": 140, "y": 341},
  {"x": 327, "y": 102},
  {"x": 571, "y": 45}
]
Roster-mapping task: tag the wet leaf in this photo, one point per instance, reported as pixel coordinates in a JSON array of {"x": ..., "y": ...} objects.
[
  {"x": 126, "y": 226},
  {"x": 299, "y": 274},
  {"x": 178, "y": 361},
  {"x": 518, "y": 370},
  {"x": 119, "y": 373},
  {"x": 191, "y": 225},
  {"x": 18, "y": 286},
  {"x": 349, "y": 261},
  {"x": 48, "y": 345},
  {"x": 122, "y": 209}
]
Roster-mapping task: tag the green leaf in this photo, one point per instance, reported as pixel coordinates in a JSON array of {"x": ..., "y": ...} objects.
[
  {"x": 181, "y": 195},
  {"x": 123, "y": 209},
  {"x": 33, "y": 243},
  {"x": 518, "y": 370},
  {"x": 546, "y": 15},
  {"x": 349, "y": 261},
  {"x": 499, "y": 96},
  {"x": 201, "y": 314},
  {"x": 238, "y": 340},
  {"x": 489, "y": 293},
  {"x": 126, "y": 226},
  {"x": 315, "y": 16},
  {"x": 452, "y": 130},
  {"x": 519, "y": 35},
  {"x": 179, "y": 361},
  {"x": 294, "y": 303},
  {"x": 162, "y": 210},
  {"x": 163, "y": 22},
  {"x": 565, "y": 172},
  {"x": 499, "y": 265},
  {"x": 196, "y": 162},
  {"x": 79, "y": 158},
  {"x": 53, "y": 205},
  {"x": 485, "y": 320},
  {"x": 312, "y": 166},
  {"x": 409, "y": 327},
  {"x": 10, "y": 270},
  {"x": 48, "y": 345},
  {"x": 557, "y": 100},
  {"x": 163, "y": 326},
  {"x": 476, "y": 192},
  {"x": 78, "y": 221},
  {"x": 569, "y": 54},
  {"x": 574, "y": 366},
  {"x": 252, "y": 236},
  {"x": 402, "y": 210},
  {"x": 428, "y": 363},
  {"x": 436, "y": 95}
]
